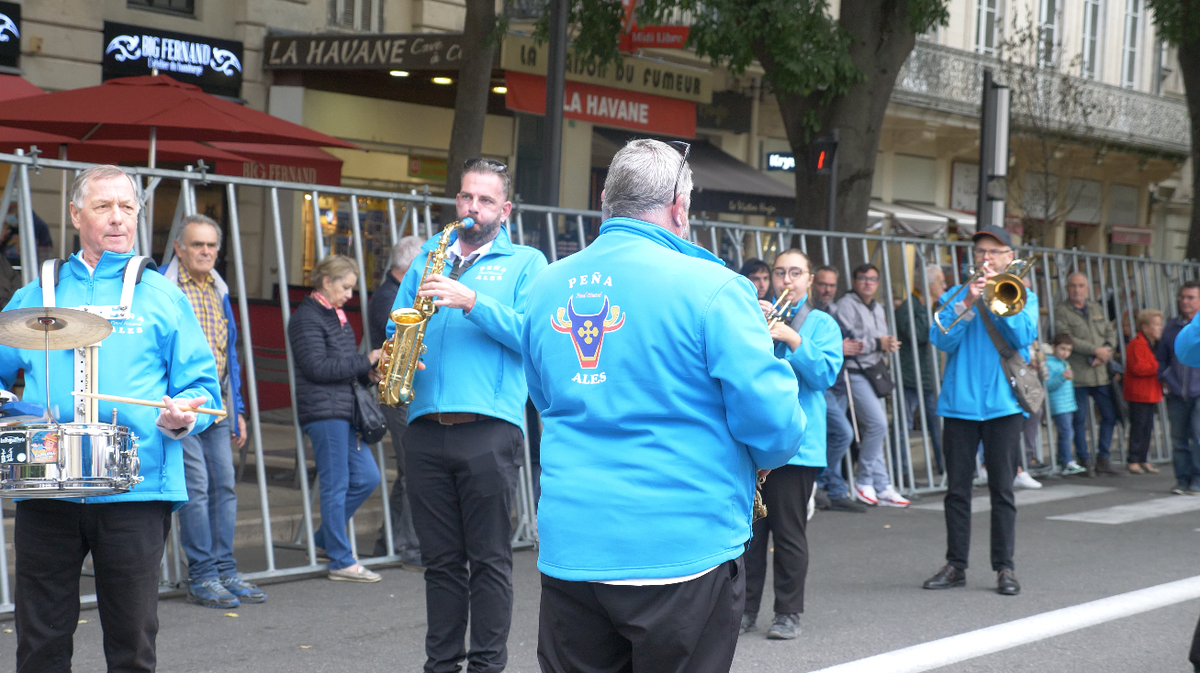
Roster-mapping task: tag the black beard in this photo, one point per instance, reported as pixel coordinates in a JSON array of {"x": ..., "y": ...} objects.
[{"x": 480, "y": 233}]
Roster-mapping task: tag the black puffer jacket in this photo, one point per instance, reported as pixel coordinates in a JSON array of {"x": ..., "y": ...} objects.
[{"x": 327, "y": 359}]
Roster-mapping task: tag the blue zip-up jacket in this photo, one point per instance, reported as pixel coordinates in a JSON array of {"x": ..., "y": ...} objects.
[
  {"x": 1061, "y": 390},
  {"x": 473, "y": 360},
  {"x": 1182, "y": 380},
  {"x": 158, "y": 351},
  {"x": 816, "y": 364},
  {"x": 657, "y": 407},
  {"x": 1186, "y": 343},
  {"x": 234, "y": 369},
  {"x": 974, "y": 387}
]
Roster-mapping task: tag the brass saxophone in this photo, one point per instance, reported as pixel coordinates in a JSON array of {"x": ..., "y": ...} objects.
[{"x": 398, "y": 361}]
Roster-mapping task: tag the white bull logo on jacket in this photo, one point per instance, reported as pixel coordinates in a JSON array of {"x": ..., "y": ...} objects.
[{"x": 587, "y": 331}]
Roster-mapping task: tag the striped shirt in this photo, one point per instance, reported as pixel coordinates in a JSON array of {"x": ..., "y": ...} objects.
[{"x": 210, "y": 311}]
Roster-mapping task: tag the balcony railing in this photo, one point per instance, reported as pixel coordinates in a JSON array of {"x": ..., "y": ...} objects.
[{"x": 950, "y": 80}]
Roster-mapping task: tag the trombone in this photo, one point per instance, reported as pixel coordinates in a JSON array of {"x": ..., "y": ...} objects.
[{"x": 1003, "y": 295}]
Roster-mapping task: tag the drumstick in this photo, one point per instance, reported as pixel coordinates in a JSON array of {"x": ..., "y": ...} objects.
[{"x": 148, "y": 403}]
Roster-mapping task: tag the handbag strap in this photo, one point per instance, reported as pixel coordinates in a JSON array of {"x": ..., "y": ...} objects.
[{"x": 1006, "y": 351}]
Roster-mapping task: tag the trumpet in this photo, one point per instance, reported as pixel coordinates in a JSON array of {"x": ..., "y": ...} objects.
[
  {"x": 1003, "y": 295},
  {"x": 779, "y": 309}
]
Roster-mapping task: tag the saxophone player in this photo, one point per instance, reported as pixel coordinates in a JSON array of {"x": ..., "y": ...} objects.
[{"x": 464, "y": 437}]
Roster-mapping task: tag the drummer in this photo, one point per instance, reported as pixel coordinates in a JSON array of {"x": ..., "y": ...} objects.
[{"x": 157, "y": 352}]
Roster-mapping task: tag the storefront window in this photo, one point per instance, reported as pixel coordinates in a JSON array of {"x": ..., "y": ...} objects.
[
  {"x": 186, "y": 7},
  {"x": 337, "y": 233}
]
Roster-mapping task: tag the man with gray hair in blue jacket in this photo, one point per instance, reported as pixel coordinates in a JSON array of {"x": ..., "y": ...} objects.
[{"x": 651, "y": 445}]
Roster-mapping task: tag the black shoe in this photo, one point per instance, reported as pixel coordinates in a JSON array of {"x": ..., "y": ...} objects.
[
  {"x": 1104, "y": 466},
  {"x": 1006, "y": 583},
  {"x": 785, "y": 627},
  {"x": 846, "y": 505},
  {"x": 822, "y": 499},
  {"x": 748, "y": 623},
  {"x": 946, "y": 578}
]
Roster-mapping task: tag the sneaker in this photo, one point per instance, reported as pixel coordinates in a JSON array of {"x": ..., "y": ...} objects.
[
  {"x": 211, "y": 594},
  {"x": 846, "y": 505},
  {"x": 866, "y": 494},
  {"x": 351, "y": 574},
  {"x": 1073, "y": 468},
  {"x": 749, "y": 622},
  {"x": 243, "y": 590},
  {"x": 785, "y": 627},
  {"x": 888, "y": 497},
  {"x": 1178, "y": 490},
  {"x": 1025, "y": 480}
]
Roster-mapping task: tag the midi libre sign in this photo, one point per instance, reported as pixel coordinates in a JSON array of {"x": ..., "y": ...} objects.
[{"x": 213, "y": 64}]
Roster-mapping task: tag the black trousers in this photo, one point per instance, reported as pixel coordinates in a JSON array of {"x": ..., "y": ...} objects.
[
  {"x": 51, "y": 539},
  {"x": 785, "y": 493},
  {"x": 404, "y": 538},
  {"x": 463, "y": 481},
  {"x": 1141, "y": 427},
  {"x": 1194, "y": 654},
  {"x": 691, "y": 627},
  {"x": 1001, "y": 439}
]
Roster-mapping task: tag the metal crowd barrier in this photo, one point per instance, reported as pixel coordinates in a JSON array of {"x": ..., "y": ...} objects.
[{"x": 1128, "y": 284}]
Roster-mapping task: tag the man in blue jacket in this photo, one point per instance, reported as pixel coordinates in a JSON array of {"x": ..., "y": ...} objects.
[
  {"x": 978, "y": 404},
  {"x": 208, "y": 519},
  {"x": 658, "y": 410},
  {"x": 464, "y": 443},
  {"x": 157, "y": 351},
  {"x": 1181, "y": 377}
]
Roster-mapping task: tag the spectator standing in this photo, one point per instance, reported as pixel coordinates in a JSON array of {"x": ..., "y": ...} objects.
[
  {"x": 327, "y": 364},
  {"x": 208, "y": 518},
  {"x": 1094, "y": 338},
  {"x": 1186, "y": 348},
  {"x": 1061, "y": 395},
  {"x": 759, "y": 273},
  {"x": 864, "y": 318},
  {"x": 379, "y": 308},
  {"x": 838, "y": 431},
  {"x": 917, "y": 333},
  {"x": 1142, "y": 389},
  {"x": 811, "y": 343},
  {"x": 464, "y": 444},
  {"x": 1182, "y": 383}
]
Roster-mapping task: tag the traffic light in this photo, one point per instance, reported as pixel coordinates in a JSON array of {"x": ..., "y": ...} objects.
[{"x": 823, "y": 150}]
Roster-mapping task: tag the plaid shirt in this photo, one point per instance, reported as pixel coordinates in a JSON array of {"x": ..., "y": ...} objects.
[{"x": 210, "y": 311}]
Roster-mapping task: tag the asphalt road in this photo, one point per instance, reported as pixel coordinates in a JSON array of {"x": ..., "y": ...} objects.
[{"x": 864, "y": 598}]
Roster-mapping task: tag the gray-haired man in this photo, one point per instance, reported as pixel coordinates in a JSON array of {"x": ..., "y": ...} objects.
[{"x": 404, "y": 538}]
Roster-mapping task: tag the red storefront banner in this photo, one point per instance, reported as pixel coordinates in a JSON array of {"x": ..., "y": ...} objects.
[
  {"x": 654, "y": 37},
  {"x": 604, "y": 106}
]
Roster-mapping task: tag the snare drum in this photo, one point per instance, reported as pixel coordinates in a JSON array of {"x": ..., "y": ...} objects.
[{"x": 69, "y": 460}]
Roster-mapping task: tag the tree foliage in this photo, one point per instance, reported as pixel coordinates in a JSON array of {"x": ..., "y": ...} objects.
[{"x": 1178, "y": 21}]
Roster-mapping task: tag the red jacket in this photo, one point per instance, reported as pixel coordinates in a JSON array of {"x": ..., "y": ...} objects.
[{"x": 1141, "y": 382}]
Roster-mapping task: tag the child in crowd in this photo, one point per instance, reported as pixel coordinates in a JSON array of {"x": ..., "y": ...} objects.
[{"x": 1062, "y": 400}]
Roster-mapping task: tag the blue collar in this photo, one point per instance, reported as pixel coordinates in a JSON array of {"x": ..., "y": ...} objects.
[
  {"x": 502, "y": 244},
  {"x": 659, "y": 235},
  {"x": 111, "y": 264}
]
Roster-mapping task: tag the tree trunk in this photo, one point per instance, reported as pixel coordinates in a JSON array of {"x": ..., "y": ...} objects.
[
  {"x": 471, "y": 100},
  {"x": 881, "y": 41},
  {"x": 1189, "y": 68}
]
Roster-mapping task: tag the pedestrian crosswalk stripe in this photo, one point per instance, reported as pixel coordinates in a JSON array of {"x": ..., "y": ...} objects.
[
  {"x": 1138, "y": 511},
  {"x": 983, "y": 503},
  {"x": 946, "y": 651}
]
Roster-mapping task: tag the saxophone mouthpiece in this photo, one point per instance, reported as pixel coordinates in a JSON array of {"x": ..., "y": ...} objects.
[{"x": 468, "y": 222}]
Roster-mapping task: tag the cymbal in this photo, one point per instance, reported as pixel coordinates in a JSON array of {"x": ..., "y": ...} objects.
[{"x": 62, "y": 328}]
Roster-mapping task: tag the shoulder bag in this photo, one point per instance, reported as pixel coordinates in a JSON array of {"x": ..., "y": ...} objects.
[
  {"x": 368, "y": 419},
  {"x": 1022, "y": 377},
  {"x": 878, "y": 375}
]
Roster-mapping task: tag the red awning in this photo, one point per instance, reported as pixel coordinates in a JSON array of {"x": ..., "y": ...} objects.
[{"x": 289, "y": 163}]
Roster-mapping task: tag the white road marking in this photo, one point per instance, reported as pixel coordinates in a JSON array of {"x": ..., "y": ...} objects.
[
  {"x": 1138, "y": 511},
  {"x": 1024, "y": 497},
  {"x": 951, "y": 650}
]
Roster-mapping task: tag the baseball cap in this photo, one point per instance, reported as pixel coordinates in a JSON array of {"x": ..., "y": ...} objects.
[{"x": 999, "y": 233}]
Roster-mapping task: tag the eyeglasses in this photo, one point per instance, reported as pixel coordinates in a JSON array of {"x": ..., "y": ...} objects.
[
  {"x": 868, "y": 279},
  {"x": 490, "y": 164},
  {"x": 992, "y": 253},
  {"x": 790, "y": 273},
  {"x": 687, "y": 149}
]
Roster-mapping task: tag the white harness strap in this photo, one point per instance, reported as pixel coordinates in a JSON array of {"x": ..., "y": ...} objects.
[{"x": 49, "y": 279}]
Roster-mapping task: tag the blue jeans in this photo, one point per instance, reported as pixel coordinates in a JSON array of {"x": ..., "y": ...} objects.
[
  {"x": 207, "y": 519},
  {"x": 1065, "y": 425},
  {"x": 872, "y": 427},
  {"x": 838, "y": 436},
  {"x": 1108, "y": 419},
  {"x": 348, "y": 474},
  {"x": 1185, "y": 430}
]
